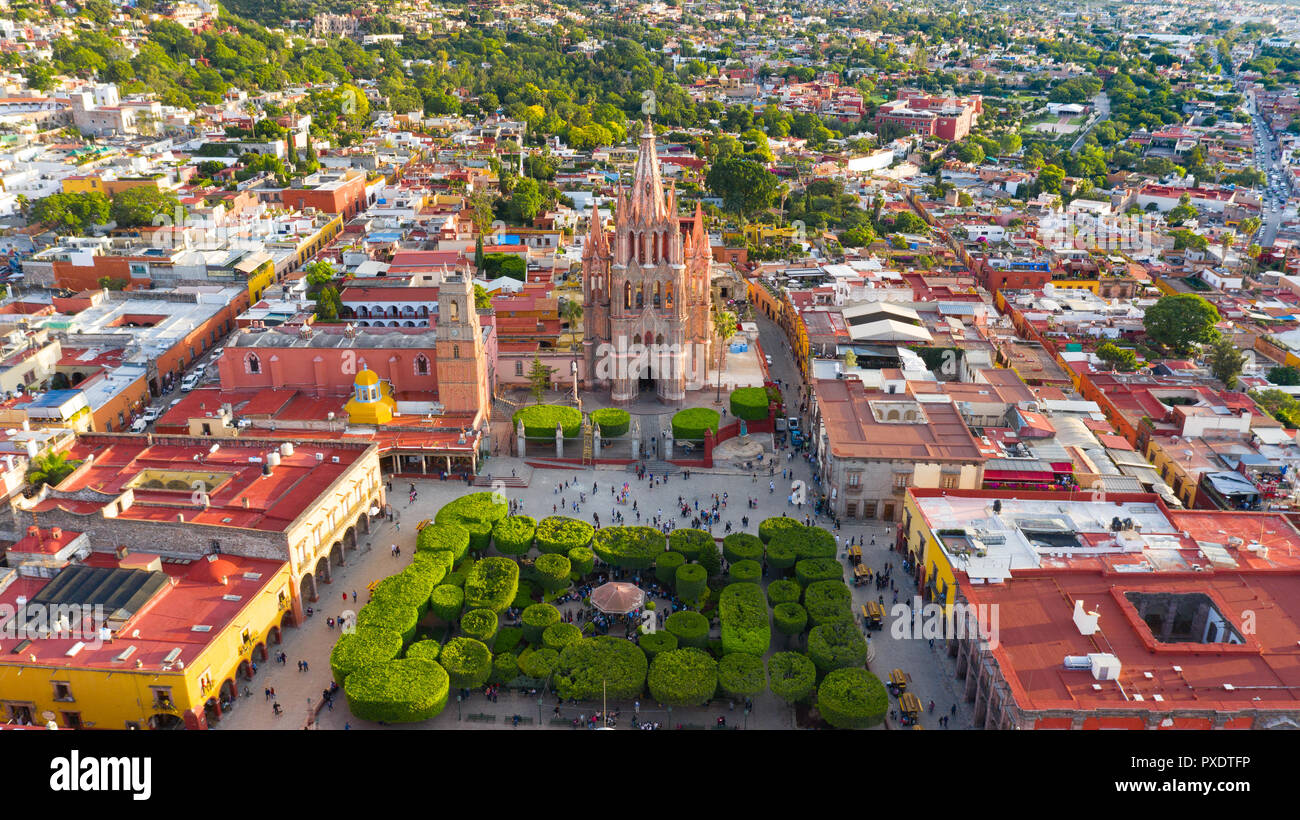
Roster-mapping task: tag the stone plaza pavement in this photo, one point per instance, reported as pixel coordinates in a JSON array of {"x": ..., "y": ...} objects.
[{"x": 299, "y": 693}]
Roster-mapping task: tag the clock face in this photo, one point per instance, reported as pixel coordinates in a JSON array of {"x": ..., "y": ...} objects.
[{"x": 455, "y": 333}]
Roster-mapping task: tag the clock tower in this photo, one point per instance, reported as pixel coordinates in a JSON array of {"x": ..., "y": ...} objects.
[{"x": 462, "y": 361}]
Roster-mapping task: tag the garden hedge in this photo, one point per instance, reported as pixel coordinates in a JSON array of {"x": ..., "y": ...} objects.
[
  {"x": 852, "y": 699},
  {"x": 750, "y": 403},
  {"x": 536, "y": 618},
  {"x": 741, "y": 675},
  {"x": 505, "y": 668},
  {"x": 398, "y": 691},
  {"x": 690, "y": 628},
  {"x": 508, "y": 637},
  {"x": 837, "y": 645},
  {"x": 683, "y": 677},
  {"x": 818, "y": 569},
  {"x": 791, "y": 676},
  {"x": 444, "y": 537},
  {"x": 468, "y": 662},
  {"x": 481, "y": 625},
  {"x": 666, "y": 566},
  {"x": 513, "y": 535},
  {"x": 790, "y": 618},
  {"x": 434, "y": 565},
  {"x": 428, "y": 650},
  {"x": 447, "y": 602},
  {"x": 828, "y": 601},
  {"x": 558, "y": 636},
  {"x": 524, "y": 596},
  {"x": 783, "y": 590},
  {"x": 691, "y": 581},
  {"x": 367, "y": 646},
  {"x": 629, "y": 547},
  {"x": 552, "y": 572},
  {"x": 618, "y": 663},
  {"x": 655, "y": 642},
  {"x": 742, "y": 546},
  {"x": 540, "y": 420},
  {"x": 492, "y": 584},
  {"x": 689, "y": 542},
  {"x": 689, "y": 425},
  {"x": 613, "y": 421},
  {"x": 476, "y": 512},
  {"x": 781, "y": 553},
  {"x": 540, "y": 663},
  {"x": 410, "y": 587},
  {"x": 771, "y": 526},
  {"x": 558, "y": 534},
  {"x": 400, "y": 618},
  {"x": 745, "y": 572},
  {"x": 809, "y": 542},
  {"x": 745, "y": 624},
  {"x": 583, "y": 561}
]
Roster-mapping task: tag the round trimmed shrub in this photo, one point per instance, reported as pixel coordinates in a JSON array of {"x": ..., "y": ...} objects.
[
  {"x": 852, "y": 699},
  {"x": 583, "y": 561},
  {"x": 524, "y": 596},
  {"x": 476, "y": 512},
  {"x": 805, "y": 542},
  {"x": 400, "y": 618},
  {"x": 666, "y": 566},
  {"x": 536, "y": 618},
  {"x": 745, "y": 572},
  {"x": 791, "y": 676},
  {"x": 367, "y": 646},
  {"x": 552, "y": 572},
  {"x": 745, "y": 624},
  {"x": 771, "y": 526},
  {"x": 540, "y": 420},
  {"x": 691, "y": 580},
  {"x": 398, "y": 691},
  {"x": 790, "y": 618},
  {"x": 434, "y": 565},
  {"x": 447, "y": 602},
  {"x": 629, "y": 547},
  {"x": 617, "y": 663},
  {"x": 655, "y": 642},
  {"x": 828, "y": 601},
  {"x": 513, "y": 535},
  {"x": 749, "y": 403},
  {"x": 540, "y": 663},
  {"x": 837, "y": 645},
  {"x": 689, "y": 425},
  {"x": 613, "y": 421},
  {"x": 558, "y": 636},
  {"x": 480, "y": 624},
  {"x": 558, "y": 534},
  {"x": 449, "y": 537},
  {"x": 410, "y": 587},
  {"x": 741, "y": 675},
  {"x": 689, "y": 542},
  {"x": 508, "y": 637},
  {"x": 683, "y": 677},
  {"x": 428, "y": 650},
  {"x": 783, "y": 590},
  {"x": 690, "y": 628},
  {"x": 742, "y": 546},
  {"x": 492, "y": 584},
  {"x": 468, "y": 662},
  {"x": 505, "y": 667},
  {"x": 818, "y": 569},
  {"x": 781, "y": 553}
]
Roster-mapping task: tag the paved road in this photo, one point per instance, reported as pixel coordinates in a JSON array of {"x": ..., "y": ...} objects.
[{"x": 1101, "y": 106}]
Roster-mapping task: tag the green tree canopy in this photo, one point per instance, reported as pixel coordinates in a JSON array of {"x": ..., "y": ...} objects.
[{"x": 1181, "y": 321}]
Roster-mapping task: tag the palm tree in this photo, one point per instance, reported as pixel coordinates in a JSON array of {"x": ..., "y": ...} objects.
[
  {"x": 50, "y": 468},
  {"x": 572, "y": 312},
  {"x": 724, "y": 325}
]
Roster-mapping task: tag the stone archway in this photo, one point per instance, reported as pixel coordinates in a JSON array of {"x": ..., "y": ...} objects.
[
  {"x": 322, "y": 570},
  {"x": 336, "y": 553},
  {"x": 307, "y": 588}
]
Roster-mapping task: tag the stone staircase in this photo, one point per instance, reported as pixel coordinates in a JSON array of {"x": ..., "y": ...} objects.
[{"x": 657, "y": 467}]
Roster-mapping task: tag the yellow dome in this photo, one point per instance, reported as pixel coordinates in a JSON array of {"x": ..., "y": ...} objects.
[{"x": 366, "y": 378}]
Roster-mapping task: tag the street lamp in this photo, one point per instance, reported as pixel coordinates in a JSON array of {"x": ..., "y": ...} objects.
[{"x": 458, "y": 708}]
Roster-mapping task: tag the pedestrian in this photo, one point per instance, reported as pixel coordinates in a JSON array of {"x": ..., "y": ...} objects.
[
  {"x": 305, "y": 667},
  {"x": 268, "y": 693}
]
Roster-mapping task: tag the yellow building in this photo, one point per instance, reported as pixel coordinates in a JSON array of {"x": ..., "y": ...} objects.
[
  {"x": 372, "y": 401},
  {"x": 761, "y": 234}
]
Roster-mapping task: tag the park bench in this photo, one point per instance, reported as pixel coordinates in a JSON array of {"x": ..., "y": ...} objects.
[
  {"x": 482, "y": 717},
  {"x": 561, "y": 722},
  {"x": 524, "y": 720}
]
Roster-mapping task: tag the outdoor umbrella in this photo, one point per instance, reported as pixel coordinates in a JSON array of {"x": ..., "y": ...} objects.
[{"x": 617, "y": 598}]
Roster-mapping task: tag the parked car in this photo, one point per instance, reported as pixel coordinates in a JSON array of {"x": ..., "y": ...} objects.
[
  {"x": 191, "y": 381},
  {"x": 151, "y": 414},
  {"x": 139, "y": 425}
]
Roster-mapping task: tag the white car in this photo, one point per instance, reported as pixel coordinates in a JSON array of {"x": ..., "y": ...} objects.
[
  {"x": 768, "y": 356},
  {"x": 191, "y": 381},
  {"x": 151, "y": 414},
  {"x": 138, "y": 425}
]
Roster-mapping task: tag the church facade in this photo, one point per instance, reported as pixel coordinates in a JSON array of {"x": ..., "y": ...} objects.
[{"x": 646, "y": 293}]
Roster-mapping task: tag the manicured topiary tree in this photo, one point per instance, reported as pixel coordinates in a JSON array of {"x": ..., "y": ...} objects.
[
  {"x": 618, "y": 664},
  {"x": 690, "y": 628},
  {"x": 468, "y": 662},
  {"x": 745, "y": 572},
  {"x": 837, "y": 645},
  {"x": 492, "y": 584},
  {"x": 398, "y": 691},
  {"x": 367, "y": 646},
  {"x": 524, "y": 595},
  {"x": 790, "y": 618},
  {"x": 771, "y": 526},
  {"x": 583, "y": 561},
  {"x": 428, "y": 650},
  {"x": 480, "y": 624},
  {"x": 781, "y": 554},
  {"x": 436, "y": 565},
  {"x": 447, "y": 602},
  {"x": 809, "y": 542},
  {"x": 613, "y": 421},
  {"x": 749, "y": 403},
  {"x": 540, "y": 420},
  {"x": 745, "y": 625},
  {"x": 558, "y": 534},
  {"x": 410, "y": 587},
  {"x": 558, "y": 636},
  {"x": 689, "y": 542},
  {"x": 400, "y": 618},
  {"x": 689, "y": 425},
  {"x": 791, "y": 676},
  {"x": 783, "y": 591},
  {"x": 711, "y": 558},
  {"x": 818, "y": 569},
  {"x": 476, "y": 512},
  {"x": 683, "y": 677},
  {"x": 740, "y": 675},
  {"x": 828, "y": 601},
  {"x": 508, "y": 638},
  {"x": 852, "y": 699},
  {"x": 666, "y": 566},
  {"x": 536, "y": 618},
  {"x": 742, "y": 546},
  {"x": 505, "y": 667},
  {"x": 655, "y": 642},
  {"x": 540, "y": 663},
  {"x": 629, "y": 547},
  {"x": 552, "y": 572},
  {"x": 449, "y": 537},
  {"x": 513, "y": 535},
  {"x": 691, "y": 581}
]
